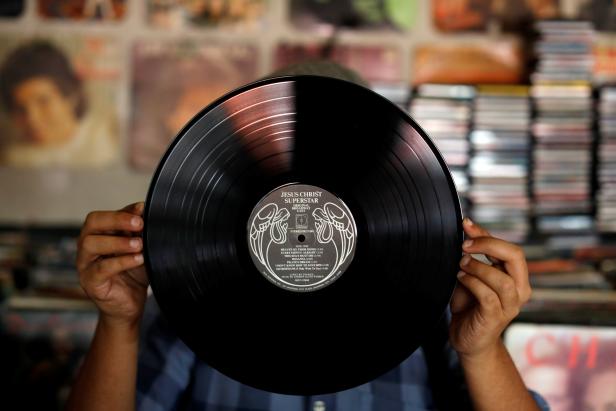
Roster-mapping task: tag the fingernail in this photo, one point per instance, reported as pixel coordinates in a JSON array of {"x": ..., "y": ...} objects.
[
  {"x": 467, "y": 243},
  {"x": 461, "y": 274},
  {"x": 465, "y": 260},
  {"x": 135, "y": 242},
  {"x": 139, "y": 258},
  {"x": 468, "y": 221},
  {"x": 135, "y": 221}
]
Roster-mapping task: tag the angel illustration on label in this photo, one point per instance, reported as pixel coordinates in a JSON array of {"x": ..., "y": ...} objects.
[
  {"x": 272, "y": 220},
  {"x": 334, "y": 226}
]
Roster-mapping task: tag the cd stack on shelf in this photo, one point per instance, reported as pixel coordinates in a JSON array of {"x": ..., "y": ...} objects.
[
  {"x": 562, "y": 94},
  {"x": 444, "y": 112},
  {"x": 499, "y": 167},
  {"x": 606, "y": 196},
  {"x": 396, "y": 93}
]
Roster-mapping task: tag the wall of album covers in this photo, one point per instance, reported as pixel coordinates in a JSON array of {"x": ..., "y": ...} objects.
[{"x": 93, "y": 91}]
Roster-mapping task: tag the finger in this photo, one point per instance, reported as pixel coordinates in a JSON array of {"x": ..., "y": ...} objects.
[
  {"x": 134, "y": 208},
  {"x": 94, "y": 246},
  {"x": 489, "y": 304},
  {"x": 100, "y": 222},
  {"x": 139, "y": 275},
  {"x": 511, "y": 256},
  {"x": 473, "y": 229},
  {"x": 106, "y": 268},
  {"x": 498, "y": 281},
  {"x": 461, "y": 300}
]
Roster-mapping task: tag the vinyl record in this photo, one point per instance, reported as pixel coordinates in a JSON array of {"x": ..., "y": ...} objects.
[{"x": 302, "y": 235}]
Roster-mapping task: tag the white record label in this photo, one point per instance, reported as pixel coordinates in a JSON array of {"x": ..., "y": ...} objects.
[{"x": 301, "y": 237}]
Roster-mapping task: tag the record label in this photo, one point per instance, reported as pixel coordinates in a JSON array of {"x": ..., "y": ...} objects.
[{"x": 301, "y": 237}]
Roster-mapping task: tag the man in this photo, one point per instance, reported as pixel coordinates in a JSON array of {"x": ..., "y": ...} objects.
[{"x": 110, "y": 265}]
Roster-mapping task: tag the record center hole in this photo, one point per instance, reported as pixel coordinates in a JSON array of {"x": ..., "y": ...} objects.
[{"x": 301, "y": 238}]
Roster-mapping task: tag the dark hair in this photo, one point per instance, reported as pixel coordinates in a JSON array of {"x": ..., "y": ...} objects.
[{"x": 40, "y": 58}]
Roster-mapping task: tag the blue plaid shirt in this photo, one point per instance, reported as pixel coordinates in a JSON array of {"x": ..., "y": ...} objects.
[{"x": 170, "y": 377}]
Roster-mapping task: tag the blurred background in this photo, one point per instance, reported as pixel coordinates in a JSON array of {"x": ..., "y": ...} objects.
[{"x": 519, "y": 96}]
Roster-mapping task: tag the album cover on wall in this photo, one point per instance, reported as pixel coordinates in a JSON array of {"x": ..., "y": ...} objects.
[
  {"x": 59, "y": 98},
  {"x": 108, "y": 10},
  {"x": 326, "y": 15},
  {"x": 487, "y": 62},
  {"x": 460, "y": 15},
  {"x": 200, "y": 73},
  {"x": 602, "y": 13},
  {"x": 376, "y": 64},
  {"x": 239, "y": 14}
]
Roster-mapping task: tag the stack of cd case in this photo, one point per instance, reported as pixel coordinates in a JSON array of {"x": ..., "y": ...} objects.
[
  {"x": 562, "y": 157},
  {"x": 606, "y": 169},
  {"x": 444, "y": 111},
  {"x": 499, "y": 167}
]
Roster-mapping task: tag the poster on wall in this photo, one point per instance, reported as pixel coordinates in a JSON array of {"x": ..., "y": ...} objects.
[
  {"x": 234, "y": 14},
  {"x": 104, "y": 10},
  {"x": 172, "y": 82},
  {"x": 520, "y": 16},
  {"x": 326, "y": 15},
  {"x": 572, "y": 367},
  {"x": 375, "y": 64},
  {"x": 58, "y": 98}
]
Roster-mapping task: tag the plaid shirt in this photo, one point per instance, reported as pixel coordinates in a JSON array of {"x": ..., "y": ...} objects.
[{"x": 171, "y": 378}]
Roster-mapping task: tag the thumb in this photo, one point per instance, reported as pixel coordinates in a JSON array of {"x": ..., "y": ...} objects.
[{"x": 461, "y": 299}]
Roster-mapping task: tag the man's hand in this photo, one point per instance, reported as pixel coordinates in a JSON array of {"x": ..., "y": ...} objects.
[
  {"x": 111, "y": 272},
  {"x": 110, "y": 264},
  {"x": 488, "y": 296}
]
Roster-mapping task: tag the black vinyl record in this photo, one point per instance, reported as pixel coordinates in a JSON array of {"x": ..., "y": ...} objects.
[{"x": 302, "y": 235}]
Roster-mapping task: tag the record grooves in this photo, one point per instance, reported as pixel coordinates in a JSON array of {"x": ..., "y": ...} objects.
[{"x": 302, "y": 235}]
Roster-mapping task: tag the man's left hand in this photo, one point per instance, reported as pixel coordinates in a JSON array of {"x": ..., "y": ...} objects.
[{"x": 488, "y": 296}]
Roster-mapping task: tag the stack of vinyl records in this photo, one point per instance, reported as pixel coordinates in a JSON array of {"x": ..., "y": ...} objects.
[
  {"x": 444, "y": 111},
  {"x": 562, "y": 128},
  {"x": 499, "y": 168},
  {"x": 606, "y": 196}
]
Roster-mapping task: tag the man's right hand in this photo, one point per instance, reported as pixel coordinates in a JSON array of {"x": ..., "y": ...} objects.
[{"x": 110, "y": 264}]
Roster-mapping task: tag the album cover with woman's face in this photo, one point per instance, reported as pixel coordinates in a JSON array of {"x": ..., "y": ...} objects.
[
  {"x": 173, "y": 81},
  {"x": 106, "y": 10},
  {"x": 230, "y": 14},
  {"x": 58, "y": 99}
]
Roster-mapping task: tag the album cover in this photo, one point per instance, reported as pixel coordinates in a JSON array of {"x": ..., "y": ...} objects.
[
  {"x": 200, "y": 73},
  {"x": 327, "y": 15},
  {"x": 519, "y": 16},
  {"x": 236, "y": 14},
  {"x": 478, "y": 62},
  {"x": 572, "y": 367},
  {"x": 602, "y": 13},
  {"x": 604, "y": 53},
  {"x": 59, "y": 98},
  {"x": 376, "y": 64},
  {"x": 11, "y": 8},
  {"x": 108, "y": 10},
  {"x": 460, "y": 15}
]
